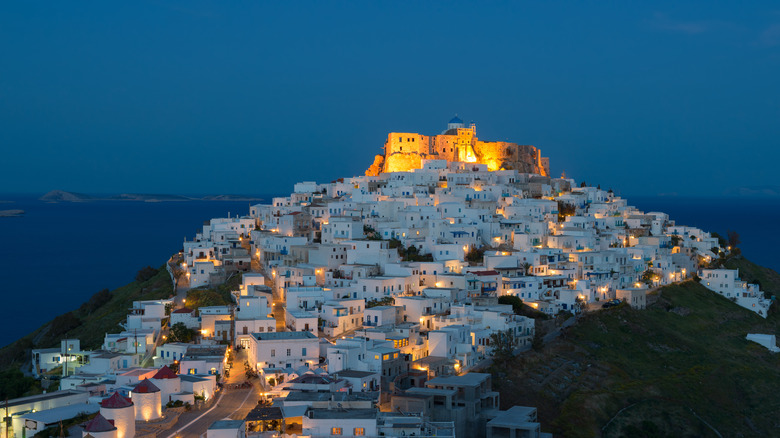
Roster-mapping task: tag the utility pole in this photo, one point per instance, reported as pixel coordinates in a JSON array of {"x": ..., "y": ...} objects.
[{"x": 7, "y": 420}]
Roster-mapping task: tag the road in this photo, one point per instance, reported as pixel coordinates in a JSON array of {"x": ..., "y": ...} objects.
[{"x": 234, "y": 404}]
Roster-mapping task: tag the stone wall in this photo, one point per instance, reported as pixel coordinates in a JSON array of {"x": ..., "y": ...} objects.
[{"x": 405, "y": 152}]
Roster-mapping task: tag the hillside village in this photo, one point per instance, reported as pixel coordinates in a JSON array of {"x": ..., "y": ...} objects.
[{"x": 367, "y": 306}]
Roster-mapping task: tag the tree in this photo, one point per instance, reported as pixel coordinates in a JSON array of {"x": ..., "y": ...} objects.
[
  {"x": 64, "y": 323},
  {"x": 476, "y": 255},
  {"x": 721, "y": 240},
  {"x": 503, "y": 343},
  {"x": 145, "y": 274},
  {"x": 96, "y": 301},
  {"x": 538, "y": 342},
  {"x": 733, "y": 237},
  {"x": 565, "y": 209},
  {"x": 14, "y": 384},
  {"x": 583, "y": 184},
  {"x": 181, "y": 333},
  {"x": 517, "y": 303},
  {"x": 371, "y": 233},
  {"x": 648, "y": 277}
]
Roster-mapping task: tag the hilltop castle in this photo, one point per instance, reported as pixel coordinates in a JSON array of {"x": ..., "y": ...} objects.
[{"x": 405, "y": 151}]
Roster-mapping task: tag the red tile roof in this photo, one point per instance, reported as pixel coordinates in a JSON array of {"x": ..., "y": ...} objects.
[
  {"x": 145, "y": 387},
  {"x": 165, "y": 373},
  {"x": 481, "y": 273},
  {"x": 116, "y": 401},
  {"x": 99, "y": 424},
  {"x": 183, "y": 310}
]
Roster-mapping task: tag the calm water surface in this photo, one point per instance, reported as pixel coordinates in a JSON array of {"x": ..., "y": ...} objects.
[{"x": 58, "y": 254}]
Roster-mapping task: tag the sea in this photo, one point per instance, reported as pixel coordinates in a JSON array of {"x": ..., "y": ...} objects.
[{"x": 57, "y": 255}]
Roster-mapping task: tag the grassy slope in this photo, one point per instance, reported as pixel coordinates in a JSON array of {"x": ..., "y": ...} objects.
[
  {"x": 91, "y": 327},
  {"x": 660, "y": 363}
]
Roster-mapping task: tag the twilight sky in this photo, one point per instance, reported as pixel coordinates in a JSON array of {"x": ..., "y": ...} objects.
[{"x": 249, "y": 97}]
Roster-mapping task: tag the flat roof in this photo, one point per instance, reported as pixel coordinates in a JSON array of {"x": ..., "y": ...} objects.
[
  {"x": 265, "y": 413},
  {"x": 210, "y": 350},
  {"x": 43, "y": 397},
  {"x": 517, "y": 417},
  {"x": 227, "y": 424},
  {"x": 191, "y": 378},
  {"x": 335, "y": 396},
  {"x": 347, "y": 414},
  {"x": 355, "y": 373},
  {"x": 50, "y": 416},
  {"x": 379, "y": 308},
  {"x": 276, "y": 336},
  {"x": 468, "y": 379},
  {"x": 383, "y": 350},
  {"x": 430, "y": 391}
]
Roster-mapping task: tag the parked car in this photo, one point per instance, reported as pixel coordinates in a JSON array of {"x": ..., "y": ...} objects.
[{"x": 610, "y": 303}]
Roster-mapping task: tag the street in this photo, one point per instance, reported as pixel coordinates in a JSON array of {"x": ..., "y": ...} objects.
[{"x": 232, "y": 403}]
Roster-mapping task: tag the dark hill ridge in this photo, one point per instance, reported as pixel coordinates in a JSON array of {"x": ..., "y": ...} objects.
[
  {"x": 682, "y": 367},
  {"x": 63, "y": 196},
  {"x": 87, "y": 322}
]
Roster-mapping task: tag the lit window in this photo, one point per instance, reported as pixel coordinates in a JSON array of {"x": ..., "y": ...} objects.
[
  {"x": 335, "y": 431},
  {"x": 359, "y": 431}
]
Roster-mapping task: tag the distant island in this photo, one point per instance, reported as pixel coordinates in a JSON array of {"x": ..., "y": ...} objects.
[
  {"x": 63, "y": 196},
  {"x": 11, "y": 213}
]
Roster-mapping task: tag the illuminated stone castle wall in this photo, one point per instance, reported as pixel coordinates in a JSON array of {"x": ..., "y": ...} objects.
[{"x": 405, "y": 151}]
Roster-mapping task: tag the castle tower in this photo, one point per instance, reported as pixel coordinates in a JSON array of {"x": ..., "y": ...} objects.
[
  {"x": 99, "y": 427},
  {"x": 121, "y": 411},
  {"x": 148, "y": 402}
]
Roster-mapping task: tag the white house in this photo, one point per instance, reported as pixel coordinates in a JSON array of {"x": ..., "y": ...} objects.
[{"x": 283, "y": 350}]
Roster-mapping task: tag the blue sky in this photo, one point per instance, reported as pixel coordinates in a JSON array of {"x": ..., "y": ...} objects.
[{"x": 249, "y": 97}]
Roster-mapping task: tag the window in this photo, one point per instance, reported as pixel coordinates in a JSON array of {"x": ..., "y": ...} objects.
[
  {"x": 335, "y": 431},
  {"x": 303, "y": 351},
  {"x": 273, "y": 353},
  {"x": 359, "y": 431},
  {"x": 288, "y": 351}
]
